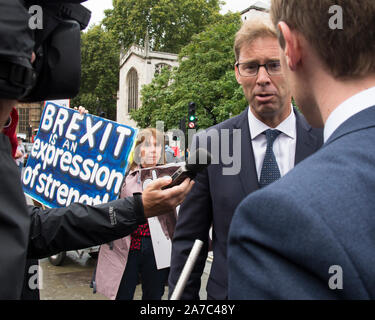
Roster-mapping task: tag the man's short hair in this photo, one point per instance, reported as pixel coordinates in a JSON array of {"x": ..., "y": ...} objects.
[
  {"x": 347, "y": 52},
  {"x": 259, "y": 27}
]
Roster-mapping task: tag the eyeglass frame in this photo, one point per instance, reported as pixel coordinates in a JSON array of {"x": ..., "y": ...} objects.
[{"x": 237, "y": 64}]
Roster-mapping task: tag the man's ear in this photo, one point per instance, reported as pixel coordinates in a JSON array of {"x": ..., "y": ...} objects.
[{"x": 292, "y": 48}]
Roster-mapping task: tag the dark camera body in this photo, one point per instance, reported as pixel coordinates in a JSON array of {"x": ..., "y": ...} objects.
[
  {"x": 58, "y": 64},
  {"x": 58, "y": 50},
  {"x": 56, "y": 71}
]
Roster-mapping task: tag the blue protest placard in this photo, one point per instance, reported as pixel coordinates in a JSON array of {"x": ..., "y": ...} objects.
[{"x": 77, "y": 158}]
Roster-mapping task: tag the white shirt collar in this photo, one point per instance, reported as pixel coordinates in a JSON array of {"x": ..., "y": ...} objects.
[
  {"x": 347, "y": 109},
  {"x": 288, "y": 126}
]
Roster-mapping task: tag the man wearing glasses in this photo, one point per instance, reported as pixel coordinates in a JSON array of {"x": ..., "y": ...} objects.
[{"x": 274, "y": 138}]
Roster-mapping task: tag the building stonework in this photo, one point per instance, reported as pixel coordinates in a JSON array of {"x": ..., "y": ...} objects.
[
  {"x": 29, "y": 117},
  {"x": 256, "y": 9},
  {"x": 138, "y": 64}
]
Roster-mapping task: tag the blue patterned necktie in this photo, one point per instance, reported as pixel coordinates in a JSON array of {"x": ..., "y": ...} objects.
[{"x": 270, "y": 170}]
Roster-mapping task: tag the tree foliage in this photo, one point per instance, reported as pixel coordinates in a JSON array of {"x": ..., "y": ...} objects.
[
  {"x": 170, "y": 24},
  {"x": 99, "y": 72},
  {"x": 205, "y": 75}
]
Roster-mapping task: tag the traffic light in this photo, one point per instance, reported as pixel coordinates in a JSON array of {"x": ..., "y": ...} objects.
[{"x": 192, "y": 119}]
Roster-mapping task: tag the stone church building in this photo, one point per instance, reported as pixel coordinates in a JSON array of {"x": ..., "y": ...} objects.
[{"x": 138, "y": 67}]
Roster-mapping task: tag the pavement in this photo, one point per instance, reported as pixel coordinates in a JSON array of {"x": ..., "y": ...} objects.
[{"x": 71, "y": 280}]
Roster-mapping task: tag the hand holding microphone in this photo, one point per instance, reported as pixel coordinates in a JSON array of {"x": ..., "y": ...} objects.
[{"x": 196, "y": 162}]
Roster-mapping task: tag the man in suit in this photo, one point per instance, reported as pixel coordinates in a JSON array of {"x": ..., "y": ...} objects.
[
  {"x": 219, "y": 189},
  {"x": 310, "y": 235}
]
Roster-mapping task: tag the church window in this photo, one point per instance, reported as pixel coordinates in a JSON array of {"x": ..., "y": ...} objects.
[{"x": 132, "y": 90}]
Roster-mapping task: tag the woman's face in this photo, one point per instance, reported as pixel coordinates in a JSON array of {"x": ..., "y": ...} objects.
[{"x": 150, "y": 152}]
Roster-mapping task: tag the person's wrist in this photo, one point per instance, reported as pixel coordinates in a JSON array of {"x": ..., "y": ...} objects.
[{"x": 139, "y": 209}]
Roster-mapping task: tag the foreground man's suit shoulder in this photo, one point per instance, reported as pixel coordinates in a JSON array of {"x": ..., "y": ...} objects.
[{"x": 284, "y": 239}]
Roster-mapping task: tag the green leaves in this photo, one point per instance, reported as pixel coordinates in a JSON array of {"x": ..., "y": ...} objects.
[
  {"x": 169, "y": 23},
  {"x": 194, "y": 29},
  {"x": 100, "y": 72},
  {"x": 205, "y": 76}
]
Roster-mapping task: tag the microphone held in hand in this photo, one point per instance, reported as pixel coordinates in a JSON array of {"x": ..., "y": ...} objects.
[{"x": 196, "y": 162}]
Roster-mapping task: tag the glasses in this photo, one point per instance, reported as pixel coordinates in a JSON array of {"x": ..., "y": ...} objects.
[{"x": 251, "y": 69}]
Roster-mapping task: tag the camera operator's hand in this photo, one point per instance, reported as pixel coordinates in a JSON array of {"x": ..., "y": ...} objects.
[{"x": 157, "y": 201}]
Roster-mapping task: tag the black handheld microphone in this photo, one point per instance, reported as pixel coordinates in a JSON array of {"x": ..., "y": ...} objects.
[{"x": 196, "y": 162}]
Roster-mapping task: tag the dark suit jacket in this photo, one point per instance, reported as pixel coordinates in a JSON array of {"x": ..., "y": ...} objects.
[
  {"x": 285, "y": 238},
  {"x": 213, "y": 201}
]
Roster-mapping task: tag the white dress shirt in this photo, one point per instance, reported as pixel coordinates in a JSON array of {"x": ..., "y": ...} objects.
[
  {"x": 284, "y": 146},
  {"x": 347, "y": 109}
]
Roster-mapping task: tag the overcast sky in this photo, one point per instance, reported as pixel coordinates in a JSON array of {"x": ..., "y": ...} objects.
[{"x": 97, "y": 7}]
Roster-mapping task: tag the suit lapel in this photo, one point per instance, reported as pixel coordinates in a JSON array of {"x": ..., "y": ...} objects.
[
  {"x": 248, "y": 174},
  {"x": 306, "y": 142}
]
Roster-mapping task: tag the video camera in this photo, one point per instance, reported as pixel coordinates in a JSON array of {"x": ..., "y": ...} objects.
[{"x": 56, "y": 71}]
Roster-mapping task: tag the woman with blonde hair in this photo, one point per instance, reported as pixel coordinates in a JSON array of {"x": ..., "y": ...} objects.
[{"x": 120, "y": 262}]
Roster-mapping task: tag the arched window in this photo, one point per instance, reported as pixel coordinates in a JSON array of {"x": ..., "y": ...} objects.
[
  {"x": 160, "y": 66},
  {"x": 132, "y": 90}
]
